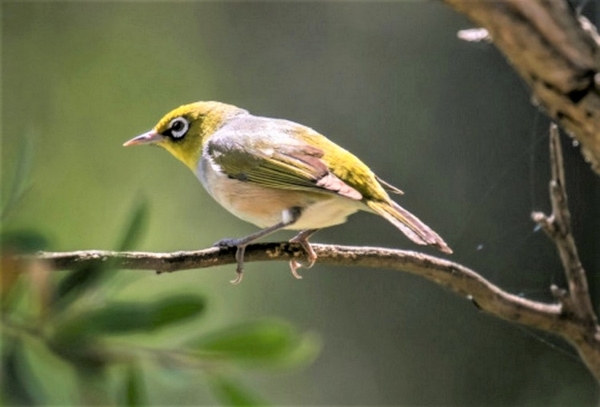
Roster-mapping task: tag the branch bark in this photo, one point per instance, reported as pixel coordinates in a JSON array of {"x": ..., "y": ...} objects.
[
  {"x": 556, "y": 52},
  {"x": 576, "y": 302},
  {"x": 458, "y": 278},
  {"x": 454, "y": 276}
]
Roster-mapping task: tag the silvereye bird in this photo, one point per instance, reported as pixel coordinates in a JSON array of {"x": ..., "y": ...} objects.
[{"x": 277, "y": 174}]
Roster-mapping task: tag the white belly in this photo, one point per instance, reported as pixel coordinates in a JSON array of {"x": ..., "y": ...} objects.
[{"x": 264, "y": 206}]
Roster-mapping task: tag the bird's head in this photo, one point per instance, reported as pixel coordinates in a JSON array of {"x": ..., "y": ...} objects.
[{"x": 184, "y": 131}]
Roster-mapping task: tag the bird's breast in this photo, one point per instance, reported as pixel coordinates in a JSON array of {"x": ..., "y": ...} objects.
[{"x": 264, "y": 206}]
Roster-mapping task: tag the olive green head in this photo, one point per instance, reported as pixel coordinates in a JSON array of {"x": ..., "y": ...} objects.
[{"x": 184, "y": 131}]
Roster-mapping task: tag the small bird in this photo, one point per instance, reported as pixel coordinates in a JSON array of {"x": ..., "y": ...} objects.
[{"x": 277, "y": 174}]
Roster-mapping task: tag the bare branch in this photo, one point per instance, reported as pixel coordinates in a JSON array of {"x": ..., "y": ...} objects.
[
  {"x": 558, "y": 227},
  {"x": 576, "y": 301},
  {"x": 556, "y": 52},
  {"x": 458, "y": 278}
]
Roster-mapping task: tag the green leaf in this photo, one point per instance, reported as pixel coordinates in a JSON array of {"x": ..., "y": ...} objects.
[
  {"x": 19, "y": 387},
  {"x": 305, "y": 351},
  {"x": 135, "y": 394},
  {"x": 255, "y": 340},
  {"x": 20, "y": 183},
  {"x": 75, "y": 283},
  {"x": 177, "y": 309},
  {"x": 23, "y": 241},
  {"x": 230, "y": 393},
  {"x": 115, "y": 318},
  {"x": 127, "y": 317},
  {"x": 267, "y": 342},
  {"x": 78, "y": 281},
  {"x": 137, "y": 223}
]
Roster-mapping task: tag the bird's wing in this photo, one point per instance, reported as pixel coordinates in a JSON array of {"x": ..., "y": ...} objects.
[{"x": 280, "y": 162}]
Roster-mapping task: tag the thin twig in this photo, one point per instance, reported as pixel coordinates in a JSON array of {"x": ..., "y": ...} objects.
[
  {"x": 558, "y": 227},
  {"x": 576, "y": 302}
]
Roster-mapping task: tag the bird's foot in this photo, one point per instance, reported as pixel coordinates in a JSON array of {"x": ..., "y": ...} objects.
[
  {"x": 295, "y": 265},
  {"x": 227, "y": 242},
  {"x": 302, "y": 239},
  {"x": 239, "y": 256}
]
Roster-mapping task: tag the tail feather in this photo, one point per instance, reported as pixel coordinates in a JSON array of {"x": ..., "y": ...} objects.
[{"x": 409, "y": 224}]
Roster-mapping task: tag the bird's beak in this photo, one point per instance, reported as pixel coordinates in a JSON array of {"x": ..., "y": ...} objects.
[{"x": 150, "y": 137}]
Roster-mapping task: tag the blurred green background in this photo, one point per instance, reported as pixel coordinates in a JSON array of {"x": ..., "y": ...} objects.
[{"x": 446, "y": 121}]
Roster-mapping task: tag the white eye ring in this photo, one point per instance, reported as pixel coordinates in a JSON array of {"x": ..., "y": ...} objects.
[{"x": 178, "y": 127}]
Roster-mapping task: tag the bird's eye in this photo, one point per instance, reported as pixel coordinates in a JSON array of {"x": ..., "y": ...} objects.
[{"x": 178, "y": 127}]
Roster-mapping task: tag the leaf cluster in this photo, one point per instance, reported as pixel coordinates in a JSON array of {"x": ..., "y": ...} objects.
[{"x": 75, "y": 322}]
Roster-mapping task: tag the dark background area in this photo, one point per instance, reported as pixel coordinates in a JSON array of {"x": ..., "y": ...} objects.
[{"x": 446, "y": 121}]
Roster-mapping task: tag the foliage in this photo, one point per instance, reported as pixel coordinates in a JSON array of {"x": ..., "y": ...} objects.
[{"x": 73, "y": 320}]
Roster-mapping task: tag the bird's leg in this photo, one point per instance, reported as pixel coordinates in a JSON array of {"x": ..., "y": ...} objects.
[
  {"x": 302, "y": 239},
  {"x": 289, "y": 216}
]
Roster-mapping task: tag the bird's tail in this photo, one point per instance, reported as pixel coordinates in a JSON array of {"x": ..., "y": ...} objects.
[{"x": 409, "y": 224}]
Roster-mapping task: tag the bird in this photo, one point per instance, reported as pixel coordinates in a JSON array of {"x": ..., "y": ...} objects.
[{"x": 277, "y": 174}]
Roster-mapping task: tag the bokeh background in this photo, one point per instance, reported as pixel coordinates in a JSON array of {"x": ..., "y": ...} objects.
[{"x": 446, "y": 121}]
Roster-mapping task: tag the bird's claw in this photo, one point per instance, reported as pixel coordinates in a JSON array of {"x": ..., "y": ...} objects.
[
  {"x": 240, "y": 245},
  {"x": 294, "y": 266},
  {"x": 238, "y": 277},
  {"x": 311, "y": 256},
  {"x": 239, "y": 256}
]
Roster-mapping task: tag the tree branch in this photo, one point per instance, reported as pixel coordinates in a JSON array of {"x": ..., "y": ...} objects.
[
  {"x": 576, "y": 302},
  {"x": 458, "y": 278},
  {"x": 556, "y": 52}
]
